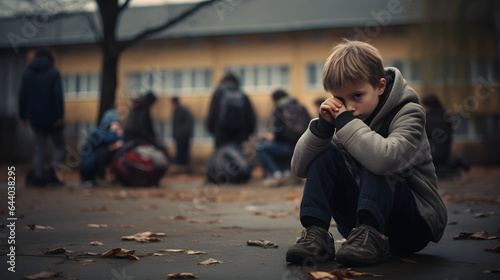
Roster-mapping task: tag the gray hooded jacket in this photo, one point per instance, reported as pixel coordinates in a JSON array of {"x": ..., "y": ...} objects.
[{"x": 403, "y": 155}]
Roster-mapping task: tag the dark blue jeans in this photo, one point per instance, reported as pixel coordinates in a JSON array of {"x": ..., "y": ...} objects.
[
  {"x": 270, "y": 152},
  {"x": 331, "y": 191}
]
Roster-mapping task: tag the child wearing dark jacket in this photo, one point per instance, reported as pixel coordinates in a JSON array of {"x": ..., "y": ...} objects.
[{"x": 368, "y": 165}]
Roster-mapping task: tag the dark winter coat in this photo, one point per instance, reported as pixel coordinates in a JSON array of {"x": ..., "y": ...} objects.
[
  {"x": 99, "y": 137},
  {"x": 182, "y": 123},
  {"x": 247, "y": 127},
  {"x": 439, "y": 133},
  {"x": 41, "y": 98}
]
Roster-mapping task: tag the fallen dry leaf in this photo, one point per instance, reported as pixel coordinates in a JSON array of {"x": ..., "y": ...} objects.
[
  {"x": 143, "y": 237},
  {"x": 340, "y": 240},
  {"x": 96, "y": 243},
  {"x": 182, "y": 275},
  {"x": 39, "y": 227},
  {"x": 492, "y": 271},
  {"x": 58, "y": 251},
  {"x": 85, "y": 261},
  {"x": 119, "y": 213},
  {"x": 262, "y": 243},
  {"x": 210, "y": 262},
  {"x": 451, "y": 223},
  {"x": 43, "y": 275},
  {"x": 494, "y": 250},
  {"x": 157, "y": 255},
  {"x": 120, "y": 253},
  {"x": 338, "y": 274},
  {"x": 317, "y": 275},
  {"x": 198, "y": 221},
  {"x": 91, "y": 254},
  {"x": 173, "y": 250},
  {"x": 192, "y": 252},
  {"x": 486, "y": 214},
  {"x": 467, "y": 211},
  {"x": 97, "y": 225},
  {"x": 217, "y": 235},
  {"x": 273, "y": 215},
  {"x": 177, "y": 217},
  {"x": 482, "y": 235},
  {"x": 409, "y": 261}
]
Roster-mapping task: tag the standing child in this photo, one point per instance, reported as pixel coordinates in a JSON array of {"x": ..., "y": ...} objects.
[{"x": 368, "y": 165}]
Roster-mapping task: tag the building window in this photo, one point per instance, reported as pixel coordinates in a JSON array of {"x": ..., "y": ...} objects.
[
  {"x": 262, "y": 78},
  {"x": 169, "y": 82},
  {"x": 81, "y": 85},
  {"x": 410, "y": 69},
  {"x": 314, "y": 75}
]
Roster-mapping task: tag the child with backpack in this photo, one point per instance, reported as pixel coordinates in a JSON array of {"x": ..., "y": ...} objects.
[
  {"x": 231, "y": 118},
  {"x": 368, "y": 165},
  {"x": 290, "y": 120}
]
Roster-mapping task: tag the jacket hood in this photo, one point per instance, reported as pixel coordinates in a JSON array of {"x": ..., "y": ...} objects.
[
  {"x": 108, "y": 117},
  {"x": 40, "y": 63},
  {"x": 393, "y": 100}
]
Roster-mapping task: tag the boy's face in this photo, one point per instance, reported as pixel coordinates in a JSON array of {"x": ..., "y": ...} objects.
[{"x": 361, "y": 99}]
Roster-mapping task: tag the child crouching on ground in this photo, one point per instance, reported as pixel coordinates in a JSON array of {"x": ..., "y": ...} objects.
[{"x": 368, "y": 165}]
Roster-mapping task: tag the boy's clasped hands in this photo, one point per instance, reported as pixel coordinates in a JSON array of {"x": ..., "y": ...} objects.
[{"x": 331, "y": 108}]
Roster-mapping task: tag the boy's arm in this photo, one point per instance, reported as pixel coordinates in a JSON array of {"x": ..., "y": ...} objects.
[
  {"x": 313, "y": 142},
  {"x": 405, "y": 147}
]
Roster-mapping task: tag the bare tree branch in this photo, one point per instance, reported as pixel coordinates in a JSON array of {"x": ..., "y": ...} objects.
[
  {"x": 125, "y": 44},
  {"x": 124, "y": 5}
]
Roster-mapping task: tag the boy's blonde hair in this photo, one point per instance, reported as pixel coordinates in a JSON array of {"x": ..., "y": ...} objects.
[{"x": 352, "y": 63}]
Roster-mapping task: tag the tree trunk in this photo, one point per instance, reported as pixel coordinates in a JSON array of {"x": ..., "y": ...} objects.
[{"x": 108, "y": 81}]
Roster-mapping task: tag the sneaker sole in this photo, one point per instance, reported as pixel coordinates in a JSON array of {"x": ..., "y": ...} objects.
[
  {"x": 351, "y": 260},
  {"x": 297, "y": 256}
]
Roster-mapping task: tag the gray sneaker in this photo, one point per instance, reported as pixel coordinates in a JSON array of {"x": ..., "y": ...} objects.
[
  {"x": 314, "y": 243},
  {"x": 364, "y": 246}
]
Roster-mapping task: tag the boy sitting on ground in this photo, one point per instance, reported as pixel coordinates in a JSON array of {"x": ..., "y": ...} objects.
[{"x": 368, "y": 165}]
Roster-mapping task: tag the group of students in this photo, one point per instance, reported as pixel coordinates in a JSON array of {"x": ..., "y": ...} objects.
[{"x": 366, "y": 157}]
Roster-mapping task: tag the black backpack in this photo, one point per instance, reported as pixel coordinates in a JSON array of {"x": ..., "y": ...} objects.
[
  {"x": 228, "y": 165},
  {"x": 232, "y": 111},
  {"x": 295, "y": 119}
]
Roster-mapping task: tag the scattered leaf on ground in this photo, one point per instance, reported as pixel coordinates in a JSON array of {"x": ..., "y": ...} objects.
[
  {"x": 177, "y": 217},
  {"x": 340, "y": 240},
  {"x": 451, "y": 223},
  {"x": 146, "y": 236},
  {"x": 494, "y": 250},
  {"x": 91, "y": 254},
  {"x": 192, "y": 252},
  {"x": 492, "y": 271},
  {"x": 198, "y": 221},
  {"x": 182, "y": 275},
  {"x": 43, "y": 275},
  {"x": 39, "y": 227},
  {"x": 210, "y": 262},
  {"x": 409, "y": 261},
  {"x": 97, "y": 225},
  {"x": 58, "y": 251},
  {"x": 338, "y": 274},
  {"x": 262, "y": 243},
  {"x": 217, "y": 235},
  {"x": 157, "y": 254},
  {"x": 96, "y": 243},
  {"x": 119, "y": 213},
  {"x": 272, "y": 214},
  {"x": 173, "y": 250},
  {"x": 120, "y": 253},
  {"x": 467, "y": 211},
  {"x": 319, "y": 275},
  {"x": 483, "y": 235},
  {"x": 85, "y": 261},
  {"x": 486, "y": 214}
]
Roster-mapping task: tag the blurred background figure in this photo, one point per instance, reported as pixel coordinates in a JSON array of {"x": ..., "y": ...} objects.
[
  {"x": 231, "y": 118},
  {"x": 99, "y": 147},
  {"x": 440, "y": 134},
  {"x": 290, "y": 120},
  {"x": 182, "y": 129},
  {"x": 41, "y": 105}
]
